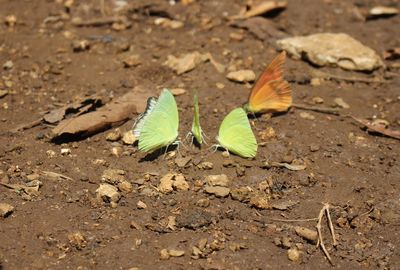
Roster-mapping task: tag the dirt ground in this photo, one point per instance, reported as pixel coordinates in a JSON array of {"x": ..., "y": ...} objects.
[{"x": 63, "y": 225}]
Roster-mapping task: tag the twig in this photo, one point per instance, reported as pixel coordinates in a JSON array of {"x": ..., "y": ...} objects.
[
  {"x": 320, "y": 242},
  {"x": 325, "y": 75},
  {"x": 334, "y": 111},
  {"x": 27, "y": 125},
  {"x": 294, "y": 220},
  {"x": 97, "y": 21}
]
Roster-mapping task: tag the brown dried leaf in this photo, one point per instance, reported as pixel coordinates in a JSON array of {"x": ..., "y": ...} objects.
[
  {"x": 379, "y": 128},
  {"x": 262, "y": 8},
  {"x": 112, "y": 114},
  {"x": 79, "y": 107},
  {"x": 260, "y": 27},
  {"x": 185, "y": 63}
]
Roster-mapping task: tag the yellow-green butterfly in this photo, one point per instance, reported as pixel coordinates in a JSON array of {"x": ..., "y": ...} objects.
[
  {"x": 157, "y": 127},
  {"x": 196, "y": 131},
  {"x": 235, "y": 134}
]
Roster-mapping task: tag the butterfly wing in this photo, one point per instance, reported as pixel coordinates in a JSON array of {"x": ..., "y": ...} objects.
[
  {"x": 274, "y": 96},
  {"x": 264, "y": 89},
  {"x": 271, "y": 73},
  {"x": 196, "y": 128},
  {"x": 137, "y": 127},
  {"x": 235, "y": 134},
  {"x": 161, "y": 126}
]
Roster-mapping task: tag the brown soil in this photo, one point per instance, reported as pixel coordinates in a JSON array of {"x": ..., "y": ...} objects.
[{"x": 66, "y": 227}]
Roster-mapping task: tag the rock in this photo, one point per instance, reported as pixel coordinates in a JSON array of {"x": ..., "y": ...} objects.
[
  {"x": 203, "y": 202},
  {"x": 3, "y": 93},
  {"x": 307, "y": 116},
  {"x": 141, "y": 205},
  {"x": 217, "y": 180},
  {"x": 220, "y": 85},
  {"x": 194, "y": 219},
  {"x": 77, "y": 240},
  {"x": 8, "y": 65},
  {"x": 185, "y": 63},
  {"x": 164, "y": 254},
  {"x": 65, "y": 151},
  {"x": 260, "y": 202},
  {"x": 328, "y": 49},
  {"x": 206, "y": 165},
  {"x": 125, "y": 187},
  {"x": 242, "y": 76},
  {"x": 129, "y": 138},
  {"x": 10, "y": 20},
  {"x": 180, "y": 183},
  {"x": 176, "y": 253},
  {"x": 108, "y": 193},
  {"x": 310, "y": 235},
  {"x": 382, "y": 11},
  {"x": 267, "y": 134},
  {"x": 317, "y": 100},
  {"x": 80, "y": 45},
  {"x": 166, "y": 181},
  {"x": 294, "y": 254},
  {"x": 114, "y": 135},
  {"x": 178, "y": 91},
  {"x": 315, "y": 82},
  {"x": 217, "y": 191},
  {"x": 113, "y": 176},
  {"x": 117, "y": 151},
  {"x": 314, "y": 147},
  {"x": 167, "y": 23},
  {"x": 5, "y": 209},
  {"x": 132, "y": 60},
  {"x": 242, "y": 194},
  {"x": 183, "y": 161},
  {"x": 341, "y": 103}
]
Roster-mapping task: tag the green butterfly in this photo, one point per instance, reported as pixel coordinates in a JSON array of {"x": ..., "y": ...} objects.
[
  {"x": 157, "y": 127},
  {"x": 235, "y": 134},
  {"x": 196, "y": 131}
]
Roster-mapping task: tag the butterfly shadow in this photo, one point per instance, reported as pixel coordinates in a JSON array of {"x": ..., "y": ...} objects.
[{"x": 157, "y": 153}]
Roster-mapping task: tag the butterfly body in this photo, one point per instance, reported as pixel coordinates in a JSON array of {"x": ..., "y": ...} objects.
[
  {"x": 270, "y": 93},
  {"x": 196, "y": 130},
  {"x": 235, "y": 134}
]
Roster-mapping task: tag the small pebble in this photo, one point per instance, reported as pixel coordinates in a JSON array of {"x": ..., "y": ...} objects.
[
  {"x": 141, "y": 205},
  {"x": 307, "y": 116},
  {"x": 293, "y": 254},
  {"x": 6, "y": 209},
  {"x": 178, "y": 91},
  {"x": 242, "y": 76}
]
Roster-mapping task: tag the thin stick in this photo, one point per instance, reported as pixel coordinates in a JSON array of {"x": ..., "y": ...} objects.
[
  {"x": 325, "y": 75},
  {"x": 294, "y": 220},
  {"x": 320, "y": 241},
  {"x": 331, "y": 225},
  {"x": 334, "y": 111}
]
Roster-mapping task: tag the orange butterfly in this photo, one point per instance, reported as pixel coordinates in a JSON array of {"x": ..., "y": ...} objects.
[{"x": 271, "y": 93}]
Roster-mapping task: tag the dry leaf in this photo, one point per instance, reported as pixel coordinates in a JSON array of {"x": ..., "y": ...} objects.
[
  {"x": 185, "y": 63},
  {"x": 112, "y": 114},
  {"x": 379, "y": 128},
  {"x": 78, "y": 107},
  {"x": 262, "y": 8},
  {"x": 292, "y": 167},
  {"x": 260, "y": 27}
]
